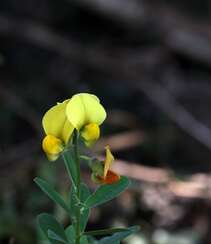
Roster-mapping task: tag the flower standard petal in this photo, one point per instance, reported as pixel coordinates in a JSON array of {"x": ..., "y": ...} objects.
[
  {"x": 75, "y": 112},
  {"x": 83, "y": 109},
  {"x": 95, "y": 112}
]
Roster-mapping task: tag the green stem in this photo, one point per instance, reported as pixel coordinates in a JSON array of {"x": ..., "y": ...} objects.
[{"x": 77, "y": 161}]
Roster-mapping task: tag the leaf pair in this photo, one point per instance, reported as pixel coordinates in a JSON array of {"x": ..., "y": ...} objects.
[
  {"x": 103, "y": 194},
  {"x": 106, "y": 193},
  {"x": 53, "y": 230},
  {"x": 118, "y": 236},
  {"x": 55, "y": 233}
]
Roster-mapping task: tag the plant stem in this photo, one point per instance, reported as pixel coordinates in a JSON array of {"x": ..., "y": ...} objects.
[{"x": 77, "y": 161}]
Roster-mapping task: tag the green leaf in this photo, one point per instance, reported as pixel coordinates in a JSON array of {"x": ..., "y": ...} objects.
[
  {"x": 70, "y": 233},
  {"x": 85, "y": 193},
  {"x": 117, "y": 237},
  {"x": 91, "y": 240},
  {"x": 53, "y": 236},
  {"x": 104, "y": 231},
  {"x": 107, "y": 192},
  {"x": 84, "y": 240},
  {"x": 48, "y": 224},
  {"x": 70, "y": 165},
  {"x": 47, "y": 189}
]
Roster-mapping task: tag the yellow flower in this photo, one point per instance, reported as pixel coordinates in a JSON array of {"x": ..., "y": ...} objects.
[
  {"x": 105, "y": 175},
  {"x": 86, "y": 114},
  {"x": 58, "y": 130},
  {"x": 82, "y": 112}
]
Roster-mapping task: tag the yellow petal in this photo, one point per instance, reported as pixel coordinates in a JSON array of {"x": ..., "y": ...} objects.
[
  {"x": 55, "y": 122},
  {"x": 52, "y": 145},
  {"x": 90, "y": 133},
  {"x": 108, "y": 161},
  {"x": 52, "y": 157},
  {"x": 83, "y": 109},
  {"x": 67, "y": 131}
]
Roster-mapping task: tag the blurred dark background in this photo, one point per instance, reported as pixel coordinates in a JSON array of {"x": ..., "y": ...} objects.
[{"x": 150, "y": 64}]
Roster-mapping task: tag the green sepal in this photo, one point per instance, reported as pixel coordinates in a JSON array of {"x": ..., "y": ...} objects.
[
  {"x": 97, "y": 167},
  {"x": 52, "y": 229},
  {"x": 52, "y": 194},
  {"x": 106, "y": 193},
  {"x": 95, "y": 178}
]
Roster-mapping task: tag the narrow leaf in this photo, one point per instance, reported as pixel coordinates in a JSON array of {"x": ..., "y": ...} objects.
[
  {"x": 105, "y": 231},
  {"x": 70, "y": 233},
  {"x": 117, "y": 237},
  {"x": 70, "y": 166},
  {"x": 52, "y": 235},
  {"x": 48, "y": 223},
  {"x": 84, "y": 240},
  {"x": 107, "y": 192},
  {"x": 91, "y": 240},
  {"x": 47, "y": 189}
]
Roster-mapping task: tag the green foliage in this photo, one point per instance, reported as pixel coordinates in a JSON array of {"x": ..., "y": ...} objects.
[
  {"x": 117, "y": 237},
  {"x": 52, "y": 229},
  {"x": 105, "y": 231},
  {"x": 70, "y": 233},
  {"x": 81, "y": 201},
  {"x": 46, "y": 188},
  {"x": 107, "y": 192}
]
